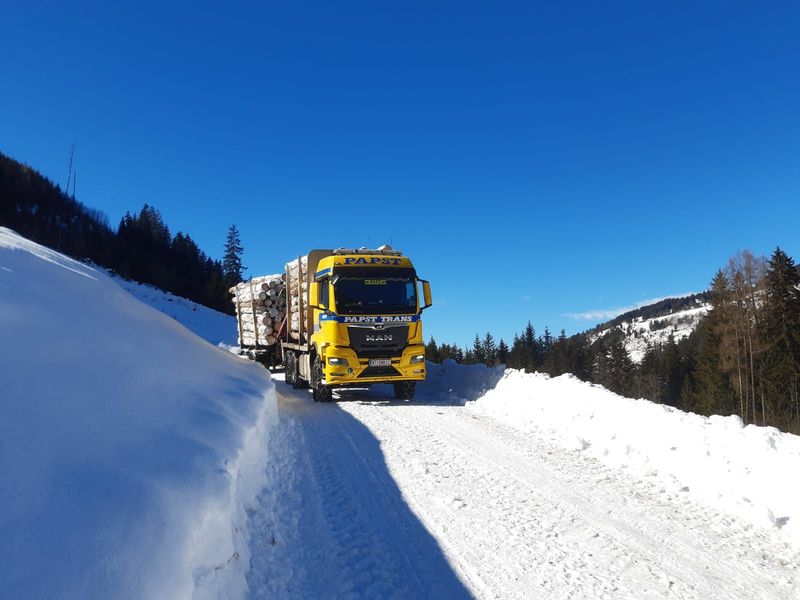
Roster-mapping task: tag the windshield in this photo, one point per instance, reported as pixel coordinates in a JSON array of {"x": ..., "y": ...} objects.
[{"x": 376, "y": 292}]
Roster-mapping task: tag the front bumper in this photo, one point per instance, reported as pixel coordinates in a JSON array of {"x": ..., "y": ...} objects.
[{"x": 357, "y": 370}]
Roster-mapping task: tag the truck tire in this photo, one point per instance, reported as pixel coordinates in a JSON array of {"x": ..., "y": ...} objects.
[
  {"x": 290, "y": 372},
  {"x": 320, "y": 391},
  {"x": 404, "y": 390}
]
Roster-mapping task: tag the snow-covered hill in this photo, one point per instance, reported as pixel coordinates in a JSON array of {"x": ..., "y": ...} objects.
[
  {"x": 128, "y": 446},
  {"x": 653, "y": 325},
  {"x": 211, "y": 325}
]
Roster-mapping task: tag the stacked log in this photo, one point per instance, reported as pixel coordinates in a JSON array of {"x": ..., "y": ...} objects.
[
  {"x": 260, "y": 309},
  {"x": 298, "y": 285}
]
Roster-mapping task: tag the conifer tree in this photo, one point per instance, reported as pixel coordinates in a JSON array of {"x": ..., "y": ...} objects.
[
  {"x": 516, "y": 356},
  {"x": 620, "y": 368},
  {"x": 489, "y": 350},
  {"x": 578, "y": 357},
  {"x": 530, "y": 349},
  {"x": 546, "y": 341},
  {"x": 232, "y": 268},
  {"x": 671, "y": 372},
  {"x": 650, "y": 382},
  {"x": 781, "y": 331},
  {"x": 502, "y": 352},
  {"x": 712, "y": 391},
  {"x": 459, "y": 357},
  {"x": 478, "y": 354},
  {"x": 557, "y": 356},
  {"x": 432, "y": 351}
]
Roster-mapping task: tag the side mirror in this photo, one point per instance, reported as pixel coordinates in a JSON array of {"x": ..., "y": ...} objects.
[
  {"x": 426, "y": 293},
  {"x": 313, "y": 297}
]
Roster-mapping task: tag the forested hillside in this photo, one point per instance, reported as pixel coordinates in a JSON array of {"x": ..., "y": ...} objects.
[{"x": 141, "y": 247}]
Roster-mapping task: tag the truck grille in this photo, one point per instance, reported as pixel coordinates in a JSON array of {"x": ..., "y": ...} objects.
[
  {"x": 379, "y": 372},
  {"x": 384, "y": 343}
]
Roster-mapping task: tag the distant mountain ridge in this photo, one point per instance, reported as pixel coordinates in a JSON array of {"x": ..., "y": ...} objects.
[{"x": 653, "y": 324}]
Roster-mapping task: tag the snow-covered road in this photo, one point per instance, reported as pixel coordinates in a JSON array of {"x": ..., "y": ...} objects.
[{"x": 375, "y": 498}]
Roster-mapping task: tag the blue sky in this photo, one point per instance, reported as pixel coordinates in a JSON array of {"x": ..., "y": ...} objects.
[{"x": 536, "y": 161}]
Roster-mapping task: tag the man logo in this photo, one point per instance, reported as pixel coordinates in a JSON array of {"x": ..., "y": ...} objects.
[{"x": 378, "y": 337}]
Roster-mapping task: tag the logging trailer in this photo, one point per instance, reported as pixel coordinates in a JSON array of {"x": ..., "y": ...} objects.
[{"x": 351, "y": 318}]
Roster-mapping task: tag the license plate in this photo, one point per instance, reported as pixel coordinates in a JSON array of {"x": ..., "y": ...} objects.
[{"x": 380, "y": 362}]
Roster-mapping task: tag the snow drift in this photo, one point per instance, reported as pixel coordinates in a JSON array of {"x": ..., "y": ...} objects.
[
  {"x": 129, "y": 447},
  {"x": 749, "y": 472}
]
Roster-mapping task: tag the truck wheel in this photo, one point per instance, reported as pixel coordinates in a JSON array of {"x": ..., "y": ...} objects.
[
  {"x": 290, "y": 369},
  {"x": 404, "y": 390},
  {"x": 321, "y": 392}
]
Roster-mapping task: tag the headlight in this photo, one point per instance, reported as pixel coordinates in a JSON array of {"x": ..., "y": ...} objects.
[
  {"x": 338, "y": 362},
  {"x": 417, "y": 359}
]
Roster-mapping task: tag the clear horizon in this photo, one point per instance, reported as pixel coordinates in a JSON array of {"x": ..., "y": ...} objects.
[{"x": 536, "y": 162}]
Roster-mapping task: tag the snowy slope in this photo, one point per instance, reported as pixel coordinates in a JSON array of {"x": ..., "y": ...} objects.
[
  {"x": 640, "y": 332},
  {"x": 211, "y": 325},
  {"x": 129, "y": 447}
]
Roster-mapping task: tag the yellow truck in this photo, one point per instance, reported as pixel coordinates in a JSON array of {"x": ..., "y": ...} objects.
[{"x": 353, "y": 319}]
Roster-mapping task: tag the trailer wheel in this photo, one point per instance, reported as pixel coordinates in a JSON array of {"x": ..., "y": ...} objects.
[
  {"x": 290, "y": 371},
  {"x": 320, "y": 391},
  {"x": 404, "y": 390}
]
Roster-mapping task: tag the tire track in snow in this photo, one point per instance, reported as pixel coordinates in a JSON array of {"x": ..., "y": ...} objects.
[{"x": 332, "y": 522}]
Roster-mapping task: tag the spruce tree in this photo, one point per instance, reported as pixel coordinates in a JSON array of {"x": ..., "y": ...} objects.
[
  {"x": 579, "y": 360},
  {"x": 712, "y": 392},
  {"x": 620, "y": 369},
  {"x": 516, "y": 356},
  {"x": 781, "y": 332},
  {"x": 557, "y": 357},
  {"x": 530, "y": 345},
  {"x": 432, "y": 351},
  {"x": 489, "y": 350},
  {"x": 478, "y": 354},
  {"x": 232, "y": 268},
  {"x": 671, "y": 372},
  {"x": 546, "y": 340},
  {"x": 650, "y": 383},
  {"x": 502, "y": 352}
]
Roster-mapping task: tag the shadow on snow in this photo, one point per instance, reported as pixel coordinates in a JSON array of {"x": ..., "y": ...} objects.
[{"x": 353, "y": 515}]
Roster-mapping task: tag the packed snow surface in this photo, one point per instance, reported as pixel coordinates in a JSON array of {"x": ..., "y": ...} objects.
[
  {"x": 129, "y": 447},
  {"x": 472, "y": 490}
]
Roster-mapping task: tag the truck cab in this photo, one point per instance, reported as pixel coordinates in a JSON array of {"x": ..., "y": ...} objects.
[{"x": 363, "y": 322}]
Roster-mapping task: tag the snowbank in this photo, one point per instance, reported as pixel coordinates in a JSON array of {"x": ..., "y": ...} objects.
[
  {"x": 750, "y": 472},
  {"x": 129, "y": 447}
]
